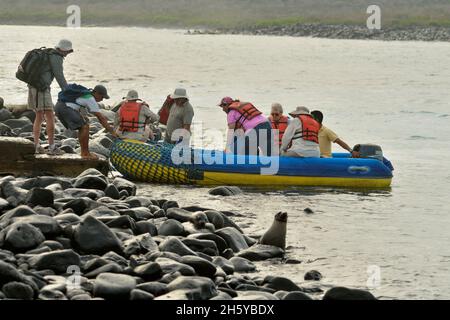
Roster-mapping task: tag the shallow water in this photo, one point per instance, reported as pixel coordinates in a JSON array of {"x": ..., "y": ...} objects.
[{"x": 395, "y": 94}]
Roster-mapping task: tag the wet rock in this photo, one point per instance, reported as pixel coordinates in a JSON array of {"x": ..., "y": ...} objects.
[
  {"x": 45, "y": 181},
  {"x": 22, "y": 123},
  {"x": 280, "y": 283},
  {"x": 143, "y": 227},
  {"x": 51, "y": 295},
  {"x": 57, "y": 261},
  {"x": 155, "y": 288},
  {"x": 137, "y": 294},
  {"x": 169, "y": 204},
  {"x": 110, "y": 267},
  {"x": 67, "y": 219},
  {"x": 171, "y": 227},
  {"x": 84, "y": 296},
  {"x": 53, "y": 245},
  {"x": 234, "y": 238},
  {"x": 342, "y": 293},
  {"x": 80, "y": 193},
  {"x": 70, "y": 142},
  {"x": 8, "y": 273},
  {"x": 201, "y": 266},
  {"x": 140, "y": 245},
  {"x": 5, "y": 114},
  {"x": 221, "y": 295},
  {"x": 242, "y": 265},
  {"x": 149, "y": 271},
  {"x": 296, "y": 295},
  {"x": 18, "y": 290},
  {"x": 45, "y": 211},
  {"x": 170, "y": 266},
  {"x": 178, "y": 214},
  {"x": 49, "y": 226},
  {"x": 122, "y": 222},
  {"x": 225, "y": 191},
  {"x": 112, "y": 191},
  {"x": 313, "y": 275},
  {"x": 114, "y": 257},
  {"x": 91, "y": 182},
  {"x": 220, "y": 243},
  {"x": 124, "y": 194},
  {"x": 225, "y": 264},
  {"x": 40, "y": 197},
  {"x": 255, "y": 295},
  {"x": 21, "y": 237},
  {"x": 104, "y": 213},
  {"x": 92, "y": 236},
  {"x": 3, "y": 204},
  {"x": 207, "y": 247},
  {"x": 20, "y": 211},
  {"x": 185, "y": 294},
  {"x": 204, "y": 286},
  {"x": 260, "y": 252},
  {"x": 137, "y": 201},
  {"x": 123, "y": 184},
  {"x": 138, "y": 213},
  {"x": 14, "y": 195},
  {"x": 81, "y": 205},
  {"x": 6, "y": 131},
  {"x": 174, "y": 245},
  {"x": 114, "y": 286}
]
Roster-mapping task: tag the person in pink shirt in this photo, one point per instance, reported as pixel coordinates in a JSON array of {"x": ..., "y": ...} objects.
[{"x": 256, "y": 127}]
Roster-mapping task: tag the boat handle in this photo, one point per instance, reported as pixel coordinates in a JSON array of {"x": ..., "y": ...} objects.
[{"x": 356, "y": 169}]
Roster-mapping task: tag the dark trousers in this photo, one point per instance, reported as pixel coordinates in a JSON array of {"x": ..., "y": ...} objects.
[{"x": 264, "y": 139}]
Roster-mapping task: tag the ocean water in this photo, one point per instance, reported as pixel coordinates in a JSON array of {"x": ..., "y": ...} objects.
[{"x": 395, "y": 94}]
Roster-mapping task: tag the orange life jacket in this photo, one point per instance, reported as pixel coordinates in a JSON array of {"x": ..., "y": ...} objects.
[
  {"x": 310, "y": 129},
  {"x": 247, "y": 110},
  {"x": 279, "y": 125},
  {"x": 129, "y": 116}
]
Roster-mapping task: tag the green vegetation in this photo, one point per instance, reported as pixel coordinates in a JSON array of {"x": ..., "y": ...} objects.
[{"x": 224, "y": 13}]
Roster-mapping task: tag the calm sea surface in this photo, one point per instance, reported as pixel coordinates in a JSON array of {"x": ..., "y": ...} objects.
[{"x": 396, "y": 94}]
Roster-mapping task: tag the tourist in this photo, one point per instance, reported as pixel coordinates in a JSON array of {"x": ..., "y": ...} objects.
[
  {"x": 180, "y": 117},
  {"x": 301, "y": 138}
]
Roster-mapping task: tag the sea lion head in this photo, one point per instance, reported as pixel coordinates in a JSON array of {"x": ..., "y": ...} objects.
[
  {"x": 281, "y": 216},
  {"x": 199, "y": 220}
]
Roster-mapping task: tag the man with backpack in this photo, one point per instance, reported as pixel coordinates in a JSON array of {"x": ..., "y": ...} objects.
[
  {"x": 38, "y": 69},
  {"x": 72, "y": 109}
]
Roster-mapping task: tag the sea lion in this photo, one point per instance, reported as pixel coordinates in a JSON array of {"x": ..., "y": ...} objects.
[
  {"x": 198, "y": 223},
  {"x": 276, "y": 235}
]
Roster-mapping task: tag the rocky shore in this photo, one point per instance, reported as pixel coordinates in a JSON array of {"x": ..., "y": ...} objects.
[
  {"x": 409, "y": 33},
  {"x": 92, "y": 237}
]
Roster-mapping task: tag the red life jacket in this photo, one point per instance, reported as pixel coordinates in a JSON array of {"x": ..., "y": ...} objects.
[
  {"x": 310, "y": 129},
  {"x": 279, "y": 125},
  {"x": 247, "y": 110},
  {"x": 129, "y": 116}
]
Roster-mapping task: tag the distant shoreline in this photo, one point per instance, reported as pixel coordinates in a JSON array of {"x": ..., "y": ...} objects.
[
  {"x": 331, "y": 31},
  {"x": 314, "y": 30}
]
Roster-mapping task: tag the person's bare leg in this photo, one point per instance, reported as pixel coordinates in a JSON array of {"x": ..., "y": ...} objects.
[
  {"x": 50, "y": 120},
  {"x": 83, "y": 137},
  {"x": 37, "y": 127}
]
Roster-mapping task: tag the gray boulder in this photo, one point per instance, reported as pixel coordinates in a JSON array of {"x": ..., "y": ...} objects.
[
  {"x": 94, "y": 237},
  {"x": 149, "y": 271},
  {"x": 57, "y": 261},
  {"x": 234, "y": 238},
  {"x": 225, "y": 191},
  {"x": 170, "y": 266},
  {"x": 242, "y": 265},
  {"x": 178, "y": 214},
  {"x": 201, "y": 266},
  {"x": 260, "y": 252},
  {"x": 114, "y": 286},
  {"x": 49, "y": 226},
  {"x": 204, "y": 286},
  {"x": 174, "y": 245},
  {"x": 123, "y": 184},
  {"x": 171, "y": 227},
  {"x": 342, "y": 293},
  {"x": 21, "y": 237},
  {"x": 18, "y": 290},
  {"x": 40, "y": 197}
]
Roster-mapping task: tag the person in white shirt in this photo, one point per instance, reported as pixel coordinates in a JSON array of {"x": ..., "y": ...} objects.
[
  {"x": 74, "y": 116},
  {"x": 301, "y": 138}
]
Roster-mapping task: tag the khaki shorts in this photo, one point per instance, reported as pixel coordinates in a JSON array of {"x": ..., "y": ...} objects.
[{"x": 39, "y": 100}]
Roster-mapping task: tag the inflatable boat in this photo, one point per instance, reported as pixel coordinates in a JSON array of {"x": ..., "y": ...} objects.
[{"x": 168, "y": 164}]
